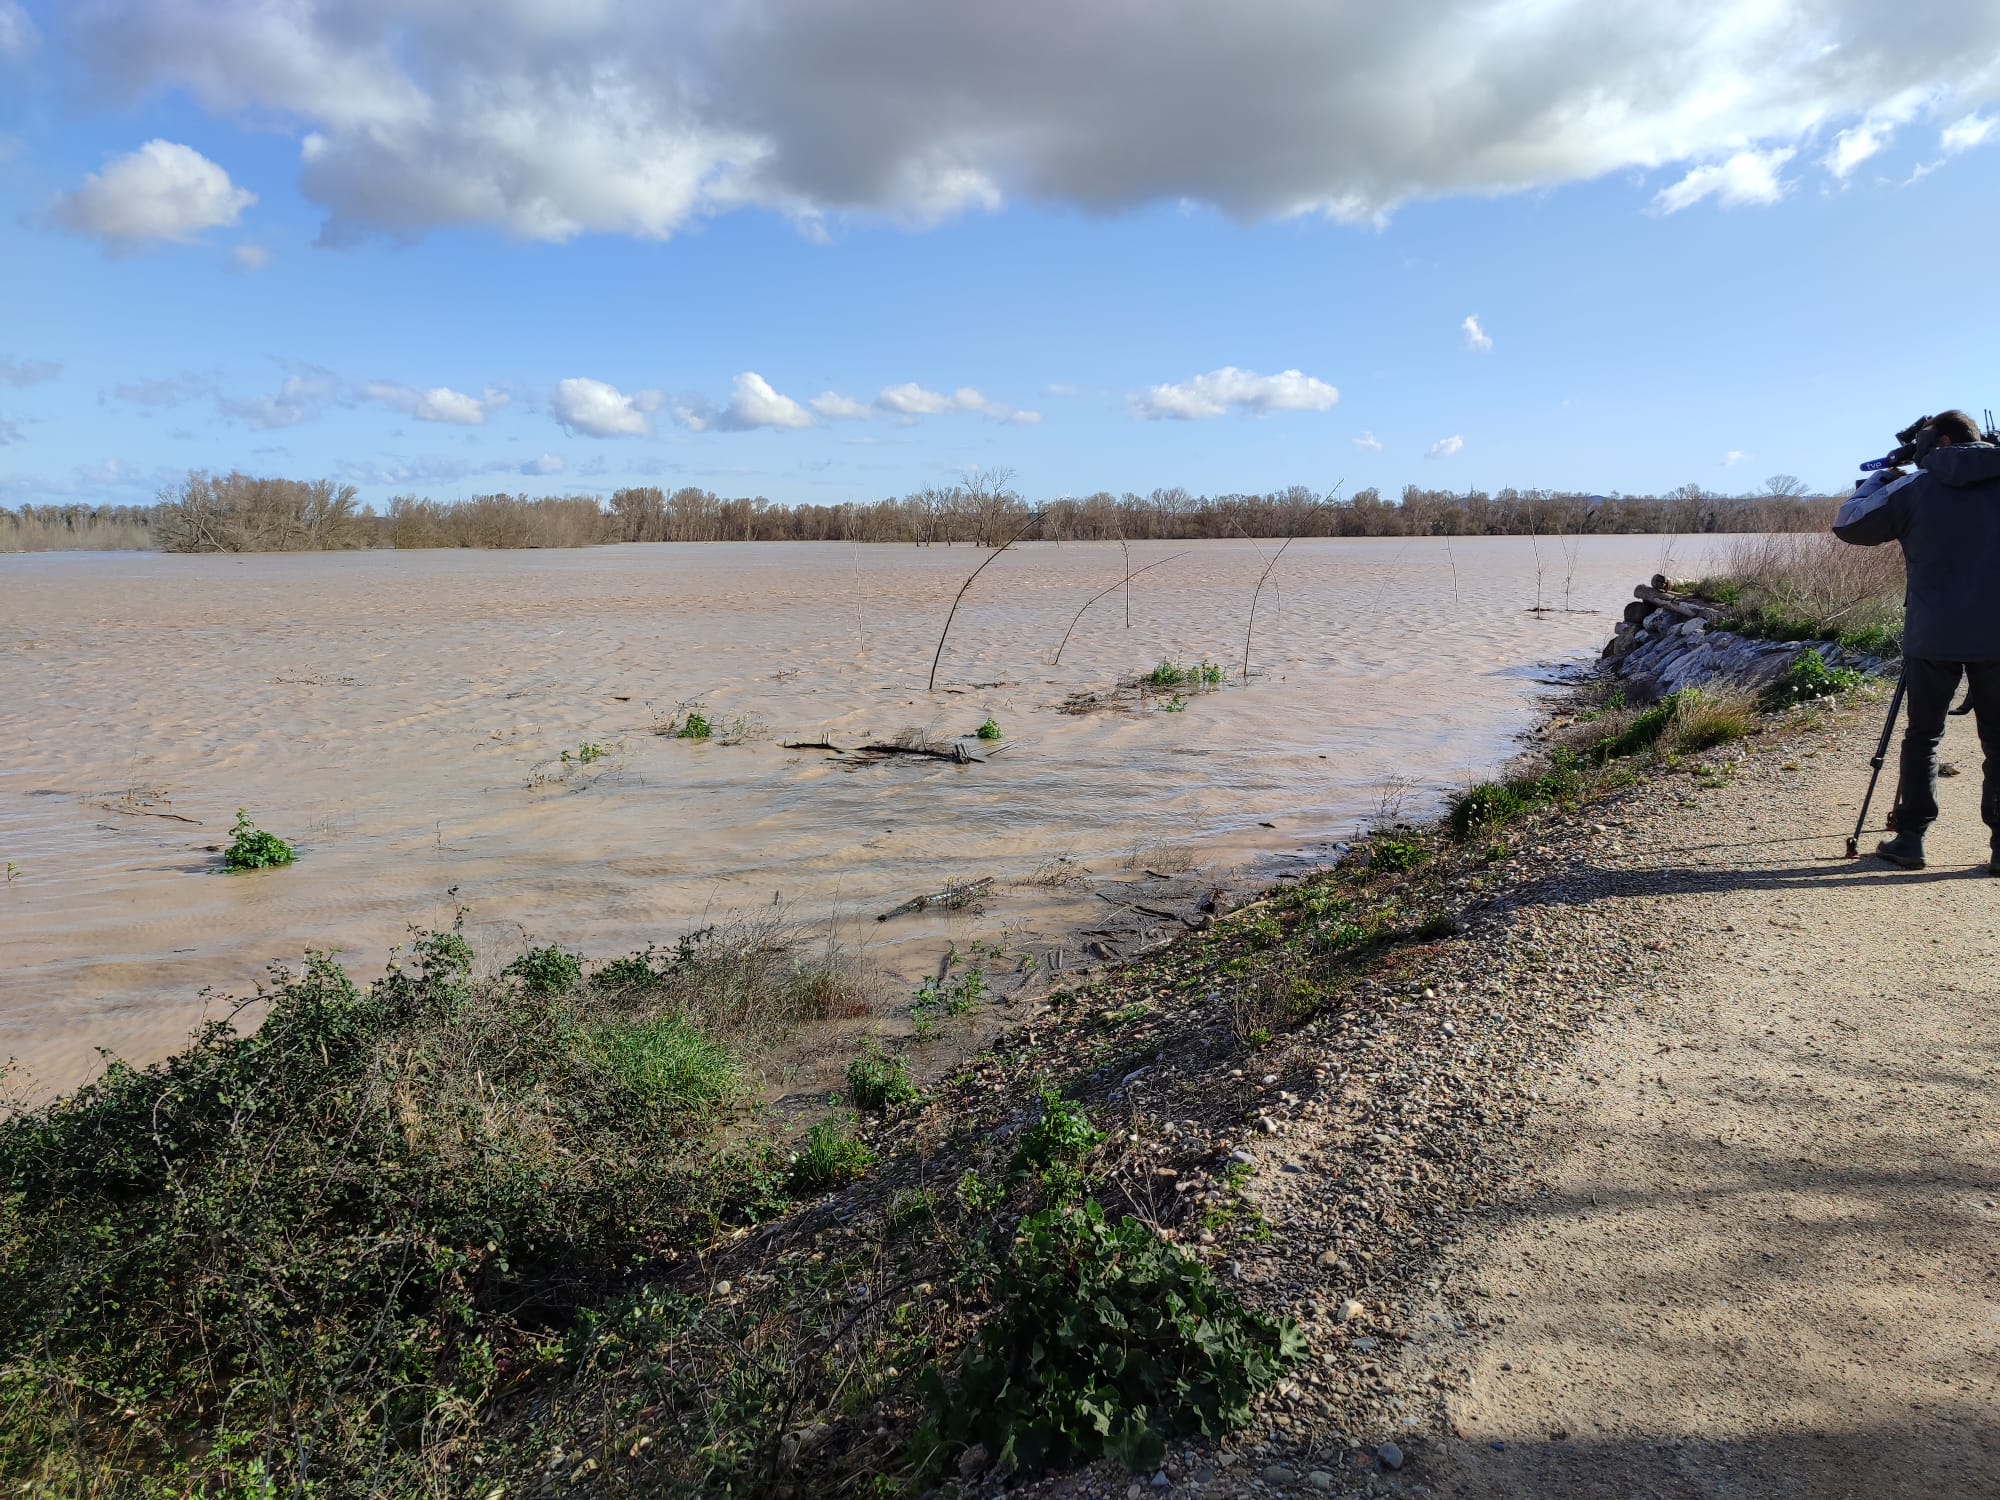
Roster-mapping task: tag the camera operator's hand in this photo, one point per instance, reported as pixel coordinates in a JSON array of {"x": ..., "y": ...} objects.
[{"x": 1880, "y": 479}]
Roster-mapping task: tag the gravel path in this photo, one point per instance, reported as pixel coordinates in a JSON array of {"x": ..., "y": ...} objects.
[{"x": 1759, "y": 1251}]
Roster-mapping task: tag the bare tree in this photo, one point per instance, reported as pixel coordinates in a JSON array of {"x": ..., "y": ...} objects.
[{"x": 1784, "y": 486}]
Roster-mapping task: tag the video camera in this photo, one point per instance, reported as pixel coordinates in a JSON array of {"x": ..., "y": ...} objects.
[{"x": 1912, "y": 444}]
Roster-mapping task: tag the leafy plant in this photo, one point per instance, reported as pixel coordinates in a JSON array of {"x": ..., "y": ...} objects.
[
  {"x": 587, "y": 752},
  {"x": 876, "y": 1080},
  {"x": 546, "y": 973},
  {"x": 1105, "y": 1341},
  {"x": 254, "y": 849},
  {"x": 1063, "y": 1136},
  {"x": 1809, "y": 678},
  {"x": 990, "y": 730},
  {"x": 937, "y": 999},
  {"x": 1397, "y": 855},
  {"x": 830, "y": 1156},
  {"x": 695, "y": 726}
]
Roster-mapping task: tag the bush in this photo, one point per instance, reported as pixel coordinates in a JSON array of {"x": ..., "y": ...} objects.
[
  {"x": 694, "y": 727},
  {"x": 546, "y": 973},
  {"x": 878, "y": 1081},
  {"x": 330, "y": 1249},
  {"x": 1396, "y": 855},
  {"x": 253, "y": 849},
  {"x": 1106, "y": 1341},
  {"x": 1706, "y": 717},
  {"x": 990, "y": 730},
  {"x": 1813, "y": 586},
  {"x": 830, "y": 1156},
  {"x": 1063, "y": 1136},
  {"x": 1809, "y": 678}
]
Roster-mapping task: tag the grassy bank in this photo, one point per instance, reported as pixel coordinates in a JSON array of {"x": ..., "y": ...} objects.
[
  {"x": 497, "y": 1233},
  {"x": 1813, "y": 587}
]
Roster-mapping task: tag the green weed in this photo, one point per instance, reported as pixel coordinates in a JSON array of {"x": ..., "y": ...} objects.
[
  {"x": 254, "y": 849},
  {"x": 1106, "y": 1341},
  {"x": 990, "y": 730},
  {"x": 831, "y": 1156},
  {"x": 546, "y": 973},
  {"x": 695, "y": 726},
  {"x": 1807, "y": 679},
  {"x": 877, "y": 1080},
  {"x": 668, "y": 1063}
]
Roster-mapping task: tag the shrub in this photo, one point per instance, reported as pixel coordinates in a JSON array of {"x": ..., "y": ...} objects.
[
  {"x": 1704, "y": 718},
  {"x": 1491, "y": 804},
  {"x": 694, "y": 727},
  {"x": 254, "y": 849},
  {"x": 830, "y": 1156},
  {"x": 1807, "y": 679},
  {"x": 329, "y": 1248},
  {"x": 546, "y": 973},
  {"x": 1106, "y": 1341},
  {"x": 878, "y": 1081},
  {"x": 1396, "y": 855},
  {"x": 1172, "y": 677},
  {"x": 990, "y": 730},
  {"x": 1063, "y": 1136},
  {"x": 937, "y": 999},
  {"x": 1813, "y": 586},
  {"x": 667, "y": 1062}
]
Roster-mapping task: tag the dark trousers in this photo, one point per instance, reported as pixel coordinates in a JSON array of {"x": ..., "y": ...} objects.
[{"x": 1931, "y": 685}]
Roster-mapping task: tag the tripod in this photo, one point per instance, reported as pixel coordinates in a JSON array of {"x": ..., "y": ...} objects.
[{"x": 1875, "y": 771}]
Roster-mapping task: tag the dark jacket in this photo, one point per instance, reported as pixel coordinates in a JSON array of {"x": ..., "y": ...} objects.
[{"x": 1948, "y": 519}]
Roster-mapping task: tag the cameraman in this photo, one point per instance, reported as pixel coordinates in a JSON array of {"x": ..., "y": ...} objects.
[{"x": 1947, "y": 516}]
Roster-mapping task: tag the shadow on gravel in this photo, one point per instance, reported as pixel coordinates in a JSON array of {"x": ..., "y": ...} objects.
[
  {"x": 1880, "y": 1461},
  {"x": 1595, "y": 883}
]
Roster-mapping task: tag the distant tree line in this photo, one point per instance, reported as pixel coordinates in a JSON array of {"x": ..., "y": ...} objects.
[{"x": 241, "y": 513}]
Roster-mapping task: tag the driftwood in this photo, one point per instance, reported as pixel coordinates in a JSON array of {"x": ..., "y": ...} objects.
[
  {"x": 142, "y": 812},
  {"x": 952, "y": 898},
  {"x": 1687, "y": 609},
  {"x": 809, "y": 745}
]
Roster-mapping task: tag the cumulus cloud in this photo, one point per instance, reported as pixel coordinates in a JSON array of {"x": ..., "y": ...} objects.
[
  {"x": 627, "y": 116},
  {"x": 438, "y": 404},
  {"x": 595, "y": 409},
  {"x": 1446, "y": 447},
  {"x": 1734, "y": 457},
  {"x": 1368, "y": 442},
  {"x": 911, "y": 401},
  {"x": 162, "y": 191},
  {"x": 302, "y": 397},
  {"x": 22, "y": 373},
  {"x": 838, "y": 408},
  {"x": 544, "y": 466},
  {"x": 754, "y": 404},
  {"x": 1221, "y": 390},
  {"x": 250, "y": 257},
  {"x": 1973, "y": 130},
  {"x": 18, "y": 36},
  {"x": 1476, "y": 337},
  {"x": 1747, "y": 177}
]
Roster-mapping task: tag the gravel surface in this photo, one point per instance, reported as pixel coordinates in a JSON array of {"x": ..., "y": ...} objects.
[{"x": 1671, "y": 1174}]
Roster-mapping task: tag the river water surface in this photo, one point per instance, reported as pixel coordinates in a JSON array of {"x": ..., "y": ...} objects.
[{"x": 402, "y": 716}]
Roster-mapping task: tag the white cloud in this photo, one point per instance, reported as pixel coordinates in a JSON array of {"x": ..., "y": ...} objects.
[
  {"x": 1973, "y": 130},
  {"x": 598, "y": 410},
  {"x": 551, "y": 118},
  {"x": 1734, "y": 457},
  {"x": 18, "y": 36},
  {"x": 838, "y": 408},
  {"x": 911, "y": 401},
  {"x": 1446, "y": 447},
  {"x": 1476, "y": 337},
  {"x": 301, "y": 398},
  {"x": 1218, "y": 391},
  {"x": 1852, "y": 147},
  {"x": 251, "y": 257},
  {"x": 162, "y": 191},
  {"x": 1369, "y": 442},
  {"x": 173, "y": 390},
  {"x": 754, "y": 404},
  {"x": 10, "y": 432},
  {"x": 1747, "y": 177},
  {"x": 438, "y": 404},
  {"x": 22, "y": 373},
  {"x": 547, "y": 464}
]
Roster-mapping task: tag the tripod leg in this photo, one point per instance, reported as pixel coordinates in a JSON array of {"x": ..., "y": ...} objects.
[{"x": 1875, "y": 772}]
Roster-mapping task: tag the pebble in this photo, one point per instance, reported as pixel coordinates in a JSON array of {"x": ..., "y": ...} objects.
[
  {"x": 1279, "y": 1474},
  {"x": 1349, "y": 1310},
  {"x": 1319, "y": 1479},
  {"x": 1390, "y": 1455},
  {"x": 724, "y": 1288}
]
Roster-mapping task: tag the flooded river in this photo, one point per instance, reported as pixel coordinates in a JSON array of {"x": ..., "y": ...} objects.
[{"x": 404, "y": 716}]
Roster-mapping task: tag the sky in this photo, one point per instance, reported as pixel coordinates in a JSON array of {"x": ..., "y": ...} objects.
[{"x": 829, "y": 250}]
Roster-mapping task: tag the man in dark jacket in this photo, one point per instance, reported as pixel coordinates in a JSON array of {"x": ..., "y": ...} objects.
[{"x": 1947, "y": 516}]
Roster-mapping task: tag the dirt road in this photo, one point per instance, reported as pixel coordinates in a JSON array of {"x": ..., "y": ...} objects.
[{"x": 1762, "y": 1256}]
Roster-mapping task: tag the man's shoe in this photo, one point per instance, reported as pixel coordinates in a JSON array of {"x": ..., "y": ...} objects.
[
  {"x": 1993, "y": 866},
  {"x": 1905, "y": 851}
]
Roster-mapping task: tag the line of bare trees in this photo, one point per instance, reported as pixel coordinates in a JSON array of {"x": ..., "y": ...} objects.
[{"x": 239, "y": 513}]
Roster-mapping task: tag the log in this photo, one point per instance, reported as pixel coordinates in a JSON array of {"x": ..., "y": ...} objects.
[{"x": 952, "y": 898}]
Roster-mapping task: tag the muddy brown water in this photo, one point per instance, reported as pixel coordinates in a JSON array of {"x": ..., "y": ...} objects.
[{"x": 402, "y": 716}]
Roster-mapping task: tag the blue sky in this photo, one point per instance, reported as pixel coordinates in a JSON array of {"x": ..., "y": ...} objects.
[{"x": 362, "y": 239}]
